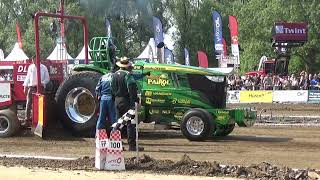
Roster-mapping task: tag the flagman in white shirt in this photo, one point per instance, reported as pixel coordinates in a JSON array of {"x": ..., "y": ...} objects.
[{"x": 30, "y": 86}]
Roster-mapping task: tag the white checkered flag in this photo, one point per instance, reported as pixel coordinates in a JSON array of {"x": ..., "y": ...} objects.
[{"x": 130, "y": 116}]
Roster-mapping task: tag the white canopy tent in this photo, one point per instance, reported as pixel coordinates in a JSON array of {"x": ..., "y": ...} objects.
[
  {"x": 17, "y": 54},
  {"x": 59, "y": 53},
  {"x": 1, "y": 55},
  {"x": 149, "y": 52},
  {"x": 81, "y": 56}
]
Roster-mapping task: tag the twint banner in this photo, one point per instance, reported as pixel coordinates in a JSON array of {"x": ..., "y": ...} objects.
[
  {"x": 290, "y": 32},
  {"x": 290, "y": 96},
  {"x": 314, "y": 96},
  {"x": 255, "y": 96},
  {"x": 217, "y": 32}
]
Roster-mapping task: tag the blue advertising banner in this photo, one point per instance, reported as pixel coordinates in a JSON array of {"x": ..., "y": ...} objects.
[
  {"x": 186, "y": 57},
  {"x": 314, "y": 96},
  {"x": 217, "y": 32},
  {"x": 107, "y": 26},
  {"x": 168, "y": 56},
  {"x": 158, "y": 32}
]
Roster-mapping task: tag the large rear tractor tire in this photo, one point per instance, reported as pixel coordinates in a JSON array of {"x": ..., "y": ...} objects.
[
  {"x": 9, "y": 123},
  {"x": 76, "y": 102},
  {"x": 196, "y": 125}
]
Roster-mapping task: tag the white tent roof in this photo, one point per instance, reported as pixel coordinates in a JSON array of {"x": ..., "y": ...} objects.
[
  {"x": 59, "y": 53},
  {"x": 1, "y": 55},
  {"x": 16, "y": 54},
  {"x": 81, "y": 55},
  {"x": 149, "y": 52}
]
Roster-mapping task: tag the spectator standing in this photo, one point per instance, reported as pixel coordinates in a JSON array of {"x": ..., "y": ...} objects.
[
  {"x": 238, "y": 83},
  {"x": 107, "y": 109},
  {"x": 302, "y": 81},
  {"x": 276, "y": 82},
  {"x": 267, "y": 83},
  {"x": 286, "y": 85},
  {"x": 294, "y": 82},
  {"x": 314, "y": 83},
  {"x": 232, "y": 83},
  {"x": 307, "y": 81},
  {"x": 248, "y": 83},
  {"x": 30, "y": 87},
  {"x": 257, "y": 80},
  {"x": 124, "y": 89}
]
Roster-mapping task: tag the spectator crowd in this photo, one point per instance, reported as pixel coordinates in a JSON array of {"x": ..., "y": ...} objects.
[
  {"x": 5, "y": 75},
  {"x": 302, "y": 81}
]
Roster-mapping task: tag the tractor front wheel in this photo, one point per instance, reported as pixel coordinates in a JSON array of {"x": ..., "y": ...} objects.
[
  {"x": 196, "y": 125},
  {"x": 9, "y": 123}
]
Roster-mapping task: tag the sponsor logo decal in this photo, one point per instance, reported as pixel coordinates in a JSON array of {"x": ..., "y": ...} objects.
[
  {"x": 161, "y": 80},
  {"x": 22, "y": 68},
  {"x": 284, "y": 30},
  {"x": 180, "y": 101},
  {"x": 117, "y": 161},
  {"x": 150, "y": 101}
]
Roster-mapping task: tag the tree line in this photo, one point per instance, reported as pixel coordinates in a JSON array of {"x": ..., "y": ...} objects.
[{"x": 131, "y": 23}]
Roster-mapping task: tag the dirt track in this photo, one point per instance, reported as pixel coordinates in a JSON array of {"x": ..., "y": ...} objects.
[
  {"x": 296, "y": 147},
  {"x": 283, "y": 109},
  {"x": 18, "y": 173}
]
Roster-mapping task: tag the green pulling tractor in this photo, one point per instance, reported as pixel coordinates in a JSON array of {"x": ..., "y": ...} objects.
[{"x": 192, "y": 97}]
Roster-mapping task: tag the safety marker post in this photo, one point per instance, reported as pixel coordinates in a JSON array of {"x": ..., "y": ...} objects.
[
  {"x": 102, "y": 145},
  {"x": 115, "y": 159},
  {"x": 137, "y": 132}
]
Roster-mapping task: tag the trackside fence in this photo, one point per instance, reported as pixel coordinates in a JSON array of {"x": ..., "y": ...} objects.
[{"x": 280, "y": 96}]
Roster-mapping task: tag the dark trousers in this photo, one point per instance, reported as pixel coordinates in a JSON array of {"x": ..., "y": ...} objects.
[
  {"x": 122, "y": 106},
  {"x": 30, "y": 92}
]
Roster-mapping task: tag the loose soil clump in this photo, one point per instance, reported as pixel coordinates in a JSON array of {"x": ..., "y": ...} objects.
[{"x": 186, "y": 166}]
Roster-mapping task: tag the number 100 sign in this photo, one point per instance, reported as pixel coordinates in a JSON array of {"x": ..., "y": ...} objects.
[{"x": 116, "y": 145}]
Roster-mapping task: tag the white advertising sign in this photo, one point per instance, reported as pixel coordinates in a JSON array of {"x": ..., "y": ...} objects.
[
  {"x": 5, "y": 94},
  {"x": 21, "y": 77},
  {"x": 233, "y": 97},
  {"x": 290, "y": 96}
]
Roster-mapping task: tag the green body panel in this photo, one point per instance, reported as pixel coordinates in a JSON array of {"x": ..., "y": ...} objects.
[
  {"x": 166, "y": 96},
  {"x": 90, "y": 67}
]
